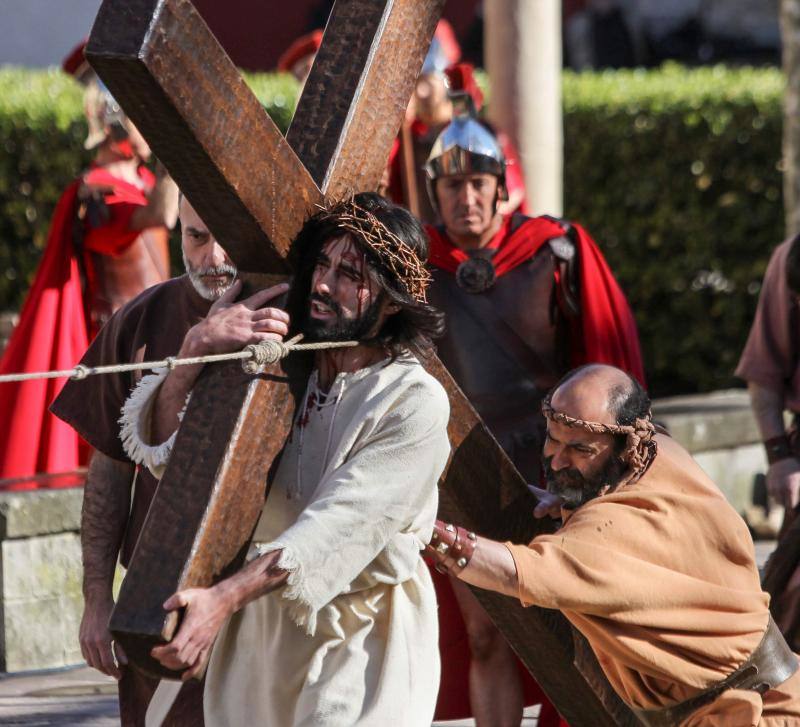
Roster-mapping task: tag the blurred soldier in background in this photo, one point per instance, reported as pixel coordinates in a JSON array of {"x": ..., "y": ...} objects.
[{"x": 107, "y": 243}]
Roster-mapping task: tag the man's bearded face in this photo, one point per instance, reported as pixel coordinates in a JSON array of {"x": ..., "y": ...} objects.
[
  {"x": 345, "y": 299},
  {"x": 576, "y": 489},
  {"x": 211, "y": 282}
]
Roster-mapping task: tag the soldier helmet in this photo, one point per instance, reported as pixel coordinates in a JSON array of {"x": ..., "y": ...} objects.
[
  {"x": 102, "y": 111},
  {"x": 465, "y": 146}
]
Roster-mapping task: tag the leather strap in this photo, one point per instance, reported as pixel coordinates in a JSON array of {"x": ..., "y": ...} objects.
[
  {"x": 778, "y": 448},
  {"x": 771, "y": 664}
]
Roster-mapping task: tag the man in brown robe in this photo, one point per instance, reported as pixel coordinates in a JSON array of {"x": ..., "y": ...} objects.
[
  {"x": 769, "y": 364},
  {"x": 652, "y": 566},
  {"x": 150, "y": 327}
]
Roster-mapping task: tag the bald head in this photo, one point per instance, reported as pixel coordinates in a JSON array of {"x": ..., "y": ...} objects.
[{"x": 600, "y": 393}]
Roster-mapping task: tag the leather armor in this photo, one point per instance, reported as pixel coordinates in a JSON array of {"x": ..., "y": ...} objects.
[{"x": 508, "y": 346}]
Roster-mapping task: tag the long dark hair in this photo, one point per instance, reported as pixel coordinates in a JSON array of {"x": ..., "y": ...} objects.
[{"x": 415, "y": 326}]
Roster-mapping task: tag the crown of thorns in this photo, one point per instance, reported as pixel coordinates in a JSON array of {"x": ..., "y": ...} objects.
[
  {"x": 392, "y": 252},
  {"x": 640, "y": 447}
]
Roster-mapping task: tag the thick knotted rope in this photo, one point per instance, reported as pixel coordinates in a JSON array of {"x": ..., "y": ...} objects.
[
  {"x": 640, "y": 447},
  {"x": 254, "y": 358}
]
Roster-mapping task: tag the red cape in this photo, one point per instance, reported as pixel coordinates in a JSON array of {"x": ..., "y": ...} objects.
[
  {"x": 512, "y": 249},
  {"x": 608, "y": 329},
  {"x": 51, "y": 335},
  {"x": 53, "y": 331}
]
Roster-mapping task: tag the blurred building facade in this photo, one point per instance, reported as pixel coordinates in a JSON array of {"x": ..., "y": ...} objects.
[
  {"x": 621, "y": 33},
  {"x": 40, "y": 33},
  {"x": 597, "y": 33}
]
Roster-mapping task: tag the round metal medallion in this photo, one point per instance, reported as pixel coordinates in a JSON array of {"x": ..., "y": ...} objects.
[{"x": 475, "y": 275}]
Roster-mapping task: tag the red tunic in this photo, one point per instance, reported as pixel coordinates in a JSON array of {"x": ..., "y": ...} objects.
[{"x": 56, "y": 324}]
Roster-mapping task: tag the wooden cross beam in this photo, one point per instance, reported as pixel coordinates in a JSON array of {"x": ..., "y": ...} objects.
[{"x": 254, "y": 189}]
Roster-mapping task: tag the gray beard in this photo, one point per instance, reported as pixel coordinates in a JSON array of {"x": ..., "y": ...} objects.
[
  {"x": 203, "y": 290},
  {"x": 574, "y": 489}
]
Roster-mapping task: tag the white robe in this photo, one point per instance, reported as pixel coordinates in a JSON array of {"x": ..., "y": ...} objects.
[{"x": 352, "y": 639}]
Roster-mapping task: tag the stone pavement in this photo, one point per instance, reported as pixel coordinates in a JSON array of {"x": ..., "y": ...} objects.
[
  {"x": 77, "y": 697},
  {"x": 82, "y": 697}
]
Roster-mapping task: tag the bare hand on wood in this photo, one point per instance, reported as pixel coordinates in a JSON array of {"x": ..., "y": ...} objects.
[
  {"x": 548, "y": 505},
  {"x": 783, "y": 482},
  {"x": 230, "y": 325},
  {"x": 95, "y": 639},
  {"x": 206, "y": 611}
]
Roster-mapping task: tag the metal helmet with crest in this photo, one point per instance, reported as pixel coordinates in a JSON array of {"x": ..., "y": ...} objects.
[{"x": 465, "y": 146}]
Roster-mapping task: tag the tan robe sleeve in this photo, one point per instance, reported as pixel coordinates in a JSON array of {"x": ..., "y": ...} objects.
[{"x": 563, "y": 573}]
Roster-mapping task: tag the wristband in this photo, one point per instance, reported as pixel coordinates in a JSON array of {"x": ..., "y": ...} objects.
[
  {"x": 778, "y": 448},
  {"x": 451, "y": 547}
]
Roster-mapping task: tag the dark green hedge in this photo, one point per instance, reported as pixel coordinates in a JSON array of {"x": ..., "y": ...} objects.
[
  {"x": 42, "y": 130},
  {"x": 675, "y": 173},
  {"x": 41, "y": 138}
]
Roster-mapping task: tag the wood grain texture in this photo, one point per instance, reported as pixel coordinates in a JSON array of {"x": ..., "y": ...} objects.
[
  {"x": 208, "y": 501},
  {"x": 359, "y": 87},
  {"x": 177, "y": 84}
]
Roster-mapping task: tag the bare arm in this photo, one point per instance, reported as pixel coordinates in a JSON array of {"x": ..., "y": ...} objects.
[
  {"x": 492, "y": 568},
  {"x": 783, "y": 476},
  {"x": 161, "y": 209},
  {"x": 106, "y": 504}
]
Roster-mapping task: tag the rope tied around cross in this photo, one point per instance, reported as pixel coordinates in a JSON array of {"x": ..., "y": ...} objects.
[
  {"x": 640, "y": 447},
  {"x": 254, "y": 358}
]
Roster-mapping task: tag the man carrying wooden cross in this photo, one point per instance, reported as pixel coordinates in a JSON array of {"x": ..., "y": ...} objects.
[
  {"x": 652, "y": 566},
  {"x": 333, "y": 621}
]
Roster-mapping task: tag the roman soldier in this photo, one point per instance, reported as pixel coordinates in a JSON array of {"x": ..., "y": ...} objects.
[
  {"x": 107, "y": 243},
  {"x": 526, "y": 299}
]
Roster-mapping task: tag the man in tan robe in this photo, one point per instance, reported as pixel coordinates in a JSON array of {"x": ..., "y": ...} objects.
[{"x": 652, "y": 566}]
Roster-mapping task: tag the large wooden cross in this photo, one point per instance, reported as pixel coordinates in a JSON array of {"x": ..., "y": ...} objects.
[{"x": 254, "y": 189}]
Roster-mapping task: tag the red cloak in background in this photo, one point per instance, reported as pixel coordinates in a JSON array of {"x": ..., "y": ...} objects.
[{"x": 53, "y": 333}]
